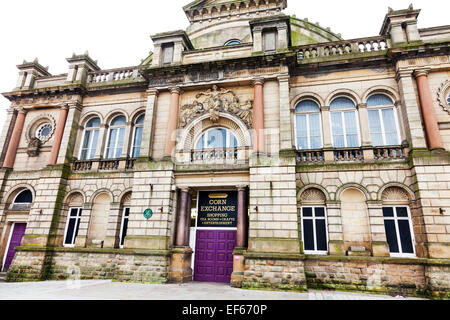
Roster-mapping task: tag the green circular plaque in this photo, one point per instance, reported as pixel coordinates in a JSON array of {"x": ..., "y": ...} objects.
[{"x": 148, "y": 213}]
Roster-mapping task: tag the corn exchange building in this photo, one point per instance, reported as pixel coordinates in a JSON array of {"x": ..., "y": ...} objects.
[{"x": 254, "y": 148}]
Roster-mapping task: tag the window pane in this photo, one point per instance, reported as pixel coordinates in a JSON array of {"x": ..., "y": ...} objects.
[
  {"x": 168, "y": 53},
  {"x": 320, "y": 212},
  {"x": 391, "y": 235},
  {"x": 388, "y": 212},
  {"x": 321, "y": 235},
  {"x": 402, "y": 212},
  {"x": 125, "y": 225},
  {"x": 111, "y": 143},
  {"x": 342, "y": 103},
  {"x": 302, "y": 132},
  {"x": 315, "y": 131},
  {"x": 405, "y": 236},
  {"x": 200, "y": 142},
  {"x": 379, "y": 100},
  {"x": 390, "y": 127},
  {"x": 307, "y": 212},
  {"x": 94, "y": 145},
  {"x": 137, "y": 141},
  {"x": 140, "y": 120},
  {"x": 217, "y": 138},
  {"x": 338, "y": 130},
  {"x": 308, "y": 234},
  {"x": 307, "y": 106},
  {"x": 120, "y": 142},
  {"x": 24, "y": 197},
  {"x": 119, "y": 121},
  {"x": 351, "y": 127},
  {"x": 93, "y": 123},
  {"x": 74, "y": 212},
  {"x": 87, "y": 137},
  {"x": 376, "y": 133},
  {"x": 70, "y": 231}
]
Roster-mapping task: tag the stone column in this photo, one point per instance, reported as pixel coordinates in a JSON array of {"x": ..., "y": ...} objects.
[
  {"x": 70, "y": 134},
  {"x": 366, "y": 141},
  {"x": 183, "y": 217},
  {"x": 11, "y": 116},
  {"x": 237, "y": 277},
  {"x": 258, "y": 116},
  {"x": 335, "y": 231},
  {"x": 15, "y": 139},
  {"x": 173, "y": 121},
  {"x": 81, "y": 239},
  {"x": 64, "y": 110},
  {"x": 380, "y": 246},
  {"x": 114, "y": 224},
  {"x": 147, "y": 134},
  {"x": 286, "y": 141},
  {"x": 429, "y": 115}
]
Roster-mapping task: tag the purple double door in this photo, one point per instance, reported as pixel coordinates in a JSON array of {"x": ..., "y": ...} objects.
[
  {"x": 16, "y": 238},
  {"x": 214, "y": 255}
]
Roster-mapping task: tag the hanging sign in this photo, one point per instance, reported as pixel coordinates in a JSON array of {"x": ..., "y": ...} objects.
[
  {"x": 148, "y": 214},
  {"x": 217, "y": 209}
]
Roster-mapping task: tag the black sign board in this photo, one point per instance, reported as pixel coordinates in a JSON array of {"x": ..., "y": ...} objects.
[{"x": 217, "y": 209}]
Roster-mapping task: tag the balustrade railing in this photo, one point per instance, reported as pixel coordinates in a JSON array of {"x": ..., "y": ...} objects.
[
  {"x": 342, "y": 48},
  {"x": 108, "y": 164},
  {"x": 310, "y": 156},
  {"x": 348, "y": 155},
  {"x": 113, "y": 75},
  {"x": 82, "y": 165},
  {"x": 212, "y": 155},
  {"x": 103, "y": 165},
  {"x": 390, "y": 153}
]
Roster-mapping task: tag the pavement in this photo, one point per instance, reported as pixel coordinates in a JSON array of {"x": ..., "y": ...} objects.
[{"x": 108, "y": 290}]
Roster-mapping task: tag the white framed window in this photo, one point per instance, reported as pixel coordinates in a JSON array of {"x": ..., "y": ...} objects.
[
  {"x": 72, "y": 227},
  {"x": 116, "y": 136},
  {"x": 22, "y": 201},
  {"x": 216, "y": 138},
  {"x": 124, "y": 226},
  {"x": 344, "y": 123},
  {"x": 137, "y": 136},
  {"x": 90, "y": 139},
  {"x": 383, "y": 121},
  {"x": 315, "y": 230},
  {"x": 308, "y": 126},
  {"x": 399, "y": 231},
  {"x": 232, "y": 42}
]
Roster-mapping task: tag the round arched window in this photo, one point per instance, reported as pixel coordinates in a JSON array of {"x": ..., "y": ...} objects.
[
  {"x": 308, "y": 127},
  {"x": 44, "y": 131},
  {"x": 24, "y": 197},
  {"x": 344, "y": 123},
  {"x": 116, "y": 137},
  {"x": 216, "y": 138}
]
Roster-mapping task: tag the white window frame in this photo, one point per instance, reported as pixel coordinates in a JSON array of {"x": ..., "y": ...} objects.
[
  {"x": 308, "y": 126},
  {"x": 344, "y": 126},
  {"x": 314, "y": 218},
  {"x": 122, "y": 224},
  {"x": 77, "y": 221},
  {"x": 91, "y": 140},
  {"x": 110, "y": 128},
  {"x": 19, "y": 193},
  {"x": 411, "y": 230},
  {"x": 205, "y": 136},
  {"x": 5, "y": 255},
  {"x": 134, "y": 135},
  {"x": 383, "y": 131}
]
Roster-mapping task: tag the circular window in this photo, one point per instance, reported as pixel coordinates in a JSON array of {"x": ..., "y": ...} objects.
[
  {"x": 44, "y": 131},
  {"x": 448, "y": 99}
]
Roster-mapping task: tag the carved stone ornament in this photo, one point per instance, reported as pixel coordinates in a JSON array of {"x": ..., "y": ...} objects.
[
  {"x": 35, "y": 123},
  {"x": 213, "y": 102},
  {"x": 33, "y": 147},
  {"x": 444, "y": 96},
  {"x": 313, "y": 194},
  {"x": 393, "y": 194}
]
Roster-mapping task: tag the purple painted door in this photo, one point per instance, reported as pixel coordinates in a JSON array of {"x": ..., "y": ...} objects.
[
  {"x": 16, "y": 239},
  {"x": 214, "y": 255}
]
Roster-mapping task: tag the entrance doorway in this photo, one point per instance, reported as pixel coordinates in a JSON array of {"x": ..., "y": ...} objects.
[
  {"x": 215, "y": 236},
  {"x": 15, "y": 238}
]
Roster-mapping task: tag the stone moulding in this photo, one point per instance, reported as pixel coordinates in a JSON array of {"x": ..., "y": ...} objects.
[
  {"x": 213, "y": 102},
  {"x": 444, "y": 96}
]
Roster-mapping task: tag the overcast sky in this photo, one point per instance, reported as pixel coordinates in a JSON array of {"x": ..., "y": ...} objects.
[{"x": 116, "y": 32}]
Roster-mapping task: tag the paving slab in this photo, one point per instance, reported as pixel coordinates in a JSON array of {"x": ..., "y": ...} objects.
[{"x": 109, "y": 290}]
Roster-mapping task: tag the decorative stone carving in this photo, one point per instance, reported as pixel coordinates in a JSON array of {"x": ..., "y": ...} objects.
[
  {"x": 33, "y": 147},
  {"x": 395, "y": 194},
  {"x": 35, "y": 123},
  {"x": 444, "y": 96},
  {"x": 313, "y": 194},
  {"x": 214, "y": 101}
]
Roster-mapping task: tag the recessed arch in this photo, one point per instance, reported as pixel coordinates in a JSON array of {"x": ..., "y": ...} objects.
[
  {"x": 88, "y": 116},
  {"x": 354, "y": 186},
  {"x": 390, "y": 92},
  {"x": 307, "y": 96},
  {"x": 14, "y": 191},
  {"x": 411, "y": 195},
  {"x": 136, "y": 114},
  {"x": 352, "y": 95},
  {"x": 98, "y": 192},
  {"x": 71, "y": 193}
]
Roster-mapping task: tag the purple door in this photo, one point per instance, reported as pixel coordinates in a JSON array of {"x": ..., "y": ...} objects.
[
  {"x": 16, "y": 239},
  {"x": 214, "y": 255}
]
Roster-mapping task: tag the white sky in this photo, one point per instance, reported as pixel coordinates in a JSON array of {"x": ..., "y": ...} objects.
[{"x": 116, "y": 32}]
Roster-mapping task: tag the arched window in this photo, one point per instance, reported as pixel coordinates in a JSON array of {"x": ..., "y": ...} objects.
[
  {"x": 308, "y": 126},
  {"x": 344, "y": 123},
  {"x": 23, "y": 197},
  {"x": 75, "y": 204},
  {"x": 116, "y": 136},
  {"x": 137, "y": 136},
  {"x": 90, "y": 138},
  {"x": 232, "y": 42},
  {"x": 216, "y": 138},
  {"x": 383, "y": 122}
]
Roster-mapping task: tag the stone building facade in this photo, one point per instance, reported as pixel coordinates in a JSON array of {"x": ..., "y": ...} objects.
[{"x": 331, "y": 156}]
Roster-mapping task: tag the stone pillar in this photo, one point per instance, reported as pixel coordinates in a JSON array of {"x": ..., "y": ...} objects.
[
  {"x": 183, "y": 218},
  {"x": 335, "y": 231},
  {"x": 11, "y": 116},
  {"x": 286, "y": 141},
  {"x": 81, "y": 239},
  {"x": 114, "y": 224},
  {"x": 429, "y": 115},
  {"x": 380, "y": 246},
  {"x": 366, "y": 141},
  {"x": 150, "y": 111},
  {"x": 172, "y": 122},
  {"x": 258, "y": 116},
  {"x": 70, "y": 134},
  {"x": 410, "y": 110},
  {"x": 58, "y": 134},
  {"x": 237, "y": 277},
  {"x": 257, "y": 39},
  {"x": 397, "y": 35},
  {"x": 15, "y": 139}
]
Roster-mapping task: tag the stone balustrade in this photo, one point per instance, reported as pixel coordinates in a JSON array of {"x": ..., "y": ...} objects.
[
  {"x": 103, "y": 165},
  {"x": 310, "y": 156},
  {"x": 390, "y": 153},
  {"x": 342, "y": 48},
  {"x": 113, "y": 75},
  {"x": 348, "y": 155}
]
